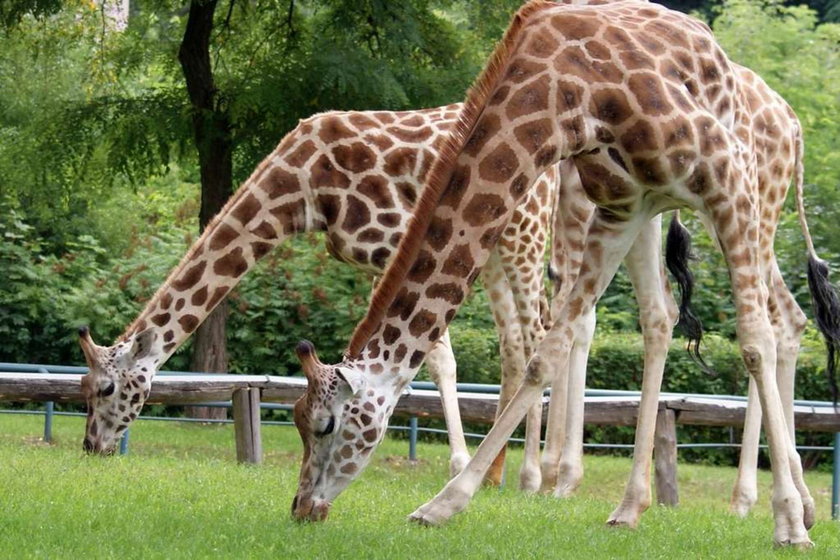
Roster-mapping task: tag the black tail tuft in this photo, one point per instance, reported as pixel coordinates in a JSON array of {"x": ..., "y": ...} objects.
[
  {"x": 826, "y": 304},
  {"x": 677, "y": 255}
]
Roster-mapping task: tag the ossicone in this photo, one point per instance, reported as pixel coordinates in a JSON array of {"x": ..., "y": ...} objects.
[
  {"x": 305, "y": 349},
  {"x": 88, "y": 346},
  {"x": 308, "y": 359}
]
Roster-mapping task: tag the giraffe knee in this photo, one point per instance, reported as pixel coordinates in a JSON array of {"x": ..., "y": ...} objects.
[
  {"x": 753, "y": 360},
  {"x": 538, "y": 372}
]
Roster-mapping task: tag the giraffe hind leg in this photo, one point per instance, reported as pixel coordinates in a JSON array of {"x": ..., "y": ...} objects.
[
  {"x": 788, "y": 325},
  {"x": 738, "y": 235}
]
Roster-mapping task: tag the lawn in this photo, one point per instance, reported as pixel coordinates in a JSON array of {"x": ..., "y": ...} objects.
[{"x": 179, "y": 493}]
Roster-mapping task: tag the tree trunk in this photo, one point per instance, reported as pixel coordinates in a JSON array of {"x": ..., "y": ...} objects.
[{"x": 212, "y": 133}]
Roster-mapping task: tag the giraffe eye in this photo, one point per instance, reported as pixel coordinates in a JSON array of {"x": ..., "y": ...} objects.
[
  {"x": 328, "y": 429},
  {"x": 107, "y": 391}
]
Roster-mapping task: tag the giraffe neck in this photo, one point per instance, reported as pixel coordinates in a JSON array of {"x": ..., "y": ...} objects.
[
  {"x": 268, "y": 208},
  {"x": 542, "y": 98},
  {"x": 355, "y": 175},
  {"x": 458, "y": 219}
]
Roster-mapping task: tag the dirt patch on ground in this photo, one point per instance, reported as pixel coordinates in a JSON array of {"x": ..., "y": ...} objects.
[
  {"x": 401, "y": 461},
  {"x": 35, "y": 441}
]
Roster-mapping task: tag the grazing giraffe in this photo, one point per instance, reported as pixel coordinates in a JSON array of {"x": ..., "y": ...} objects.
[
  {"x": 354, "y": 175},
  {"x": 647, "y": 106},
  {"x": 778, "y": 140}
]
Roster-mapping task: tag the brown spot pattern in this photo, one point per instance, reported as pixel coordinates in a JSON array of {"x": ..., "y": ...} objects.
[
  {"x": 190, "y": 277},
  {"x": 500, "y": 165},
  {"x": 357, "y": 215},
  {"x": 422, "y": 321},
  {"x": 484, "y": 209},
  {"x": 355, "y": 158},
  {"x": 460, "y": 262},
  {"x": 188, "y": 323},
  {"x": 246, "y": 209},
  {"x": 222, "y": 237},
  {"x": 199, "y": 297},
  {"x": 233, "y": 264},
  {"x": 422, "y": 268}
]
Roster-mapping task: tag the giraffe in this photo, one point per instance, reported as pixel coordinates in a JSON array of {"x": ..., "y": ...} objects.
[
  {"x": 646, "y": 105},
  {"x": 354, "y": 175},
  {"x": 778, "y": 140}
]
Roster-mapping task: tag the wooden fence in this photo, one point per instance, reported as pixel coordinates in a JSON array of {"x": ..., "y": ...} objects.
[{"x": 247, "y": 392}]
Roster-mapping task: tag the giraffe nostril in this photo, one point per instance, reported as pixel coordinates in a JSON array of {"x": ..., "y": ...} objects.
[{"x": 87, "y": 445}]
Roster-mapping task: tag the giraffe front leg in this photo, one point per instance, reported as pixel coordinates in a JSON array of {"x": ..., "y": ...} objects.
[
  {"x": 657, "y": 315},
  {"x": 569, "y": 468},
  {"x": 530, "y": 476},
  {"x": 745, "y": 491},
  {"x": 555, "y": 430},
  {"x": 442, "y": 369},
  {"x": 456, "y": 495},
  {"x": 511, "y": 346}
]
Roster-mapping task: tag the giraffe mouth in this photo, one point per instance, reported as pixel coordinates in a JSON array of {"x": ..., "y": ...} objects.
[
  {"x": 92, "y": 447},
  {"x": 307, "y": 509}
]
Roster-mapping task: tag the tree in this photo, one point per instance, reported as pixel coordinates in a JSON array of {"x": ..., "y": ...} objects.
[{"x": 212, "y": 133}]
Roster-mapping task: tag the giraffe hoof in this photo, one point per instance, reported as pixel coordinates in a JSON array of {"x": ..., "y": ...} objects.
[
  {"x": 442, "y": 507},
  {"x": 743, "y": 501},
  {"x": 805, "y": 544},
  {"x": 549, "y": 479},
  {"x": 568, "y": 480},
  {"x": 530, "y": 481},
  {"x": 740, "y": 509},
  {"x": 491, "y": 481},
  {"x": 809, "y": 512},
  {"x": 624, "y": 517},
  {"x": 427, "y": 516}
]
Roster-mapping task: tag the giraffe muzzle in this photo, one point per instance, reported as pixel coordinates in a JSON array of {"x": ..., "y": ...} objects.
[
  {"x": 92, "y": 447},
  {"x": 307, "y": 509}
]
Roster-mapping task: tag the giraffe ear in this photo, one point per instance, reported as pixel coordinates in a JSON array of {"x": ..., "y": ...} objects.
[
  {"x": 142, "y": 344},
  {"x": 353, "y": 379}
]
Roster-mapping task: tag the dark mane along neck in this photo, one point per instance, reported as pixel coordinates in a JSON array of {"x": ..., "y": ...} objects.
[{"x": 439, "y": 178}]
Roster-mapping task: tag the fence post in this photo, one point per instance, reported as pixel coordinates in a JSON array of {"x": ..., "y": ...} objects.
[
  {"x": 835, "y": 480},
  {"x": 665, "y": 457},
  {"x": 124, "y": 443},
  {"x": 246, "y": 425},
  {"x": 48, "y": 421},
  {"x": 412, "y": 438}
]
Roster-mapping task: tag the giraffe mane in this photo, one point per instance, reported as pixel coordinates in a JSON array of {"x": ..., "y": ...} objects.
[
  {"x": 199, "y": 243},
  {"x": 438, "y": 179}
]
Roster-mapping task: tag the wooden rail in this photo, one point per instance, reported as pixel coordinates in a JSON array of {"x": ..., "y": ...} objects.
[{"x": 247, "y": 391}]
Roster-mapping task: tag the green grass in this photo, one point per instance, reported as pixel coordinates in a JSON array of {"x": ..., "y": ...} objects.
[{"x": 179, "y": 493}]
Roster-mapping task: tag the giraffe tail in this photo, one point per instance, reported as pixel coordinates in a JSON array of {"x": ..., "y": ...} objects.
[
  {"x": 824, "y": 296},
  {"x": 677, "y": 256}
]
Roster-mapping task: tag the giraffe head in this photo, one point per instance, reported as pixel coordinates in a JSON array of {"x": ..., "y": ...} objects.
[
  {"x": 340, "y": 421},
  {"x": 116, "y": 386}
]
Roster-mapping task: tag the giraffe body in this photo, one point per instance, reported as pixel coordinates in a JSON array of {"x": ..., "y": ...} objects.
[{"x": 647, "y": 106}]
